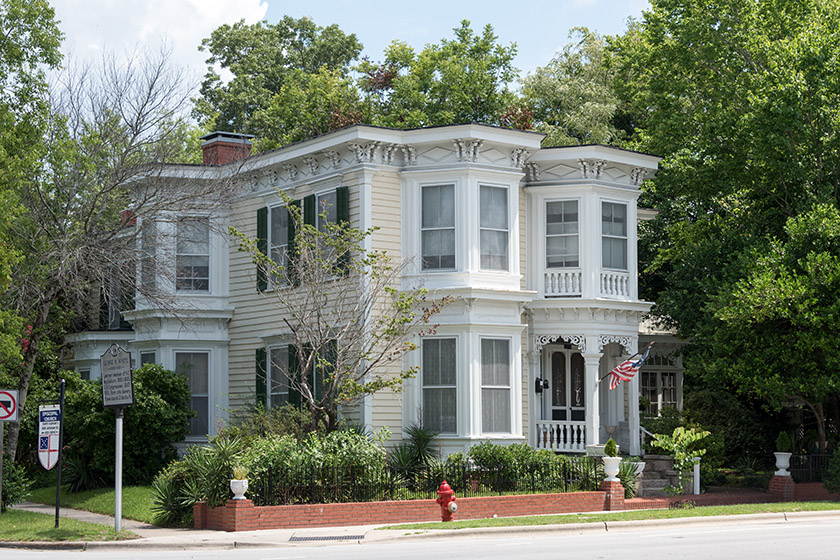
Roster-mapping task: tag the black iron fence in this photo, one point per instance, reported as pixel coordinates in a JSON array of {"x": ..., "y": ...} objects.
[
  {"x": 330, "y": 484},
  {"x": 809, "y": 468}
]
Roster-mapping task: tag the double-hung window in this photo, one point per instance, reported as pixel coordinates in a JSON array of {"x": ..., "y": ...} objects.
[
  {"x": 192, "y": 261},
  {"x": 561, "y": 234},
  {"x": 326, "y": 210},
  {"x": 278, "y": 243},
  {"x": 495, "y": 386},
  {"x": 614, "y": 235},
  {"x": 493, "y": 222},
  {"x": 194, "y": 365},
  {"x": 658, "y": 384},
  {"x": 439, "y": 380},
  {"x": 278, "y": 378},
  {"x": 438, "y": 227}
]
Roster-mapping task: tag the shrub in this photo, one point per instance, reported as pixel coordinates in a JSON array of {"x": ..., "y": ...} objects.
[
  {"x": 610, "y": 448},
  {"x": 15, "y": 483},
  {"x": 683, "y": 445},
  {"x": 831, "y": 480},
  {"x": 783, "y": 443},
  {"x": 627, "y": 476}
]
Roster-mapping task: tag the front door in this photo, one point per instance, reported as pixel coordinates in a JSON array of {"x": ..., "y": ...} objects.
[{"x": 564, "y": 370}]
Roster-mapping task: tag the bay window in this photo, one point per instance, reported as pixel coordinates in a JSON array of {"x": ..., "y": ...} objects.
[
  {"x": 438, "y": 372},
  {"x": 614, "y": 235},
  {"x": 438, "y": 227},
  {"x": 493, "y": 207},
  {"x": 192, "y": 261},
  {"x": 561, "y": 234},
  {"x": 495, "y": 386}
]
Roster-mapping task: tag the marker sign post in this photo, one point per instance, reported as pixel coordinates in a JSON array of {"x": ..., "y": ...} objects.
[
  {"x": 117, "y": 392},
  {"x": 8, "y": 413}
]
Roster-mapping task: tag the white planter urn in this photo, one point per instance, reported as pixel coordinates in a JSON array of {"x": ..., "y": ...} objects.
[
  {"x": 239, "y": 487},
  {"x": 782, "y": 463},
  {"x": 611, "y": 468}
]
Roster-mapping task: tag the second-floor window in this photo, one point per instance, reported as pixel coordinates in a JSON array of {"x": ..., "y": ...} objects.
[
  {"x": 438, "y": 227},
  {"x": 561, "y": 234},
  {"x": 192, "y": 261},
  {"x": 493, "y": 221},
  {"x": 614, "y": 235},
  {"x": 278, "y": 242}
]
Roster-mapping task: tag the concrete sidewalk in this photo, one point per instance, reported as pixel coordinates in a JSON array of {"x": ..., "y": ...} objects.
[{"x": 161, "y": 538}]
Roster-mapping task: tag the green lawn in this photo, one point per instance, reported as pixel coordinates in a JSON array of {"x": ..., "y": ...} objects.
[
  {"x": 136, "y": 501},
  {"x": 707, "y": 511},
  {"x": 16, "y": 525}
]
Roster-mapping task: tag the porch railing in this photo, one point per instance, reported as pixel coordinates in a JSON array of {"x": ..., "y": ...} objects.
[
  {"x": 562, "y": 436},
  {"x": 615, "y": 284},
  {"x": 562, "y": 283}
]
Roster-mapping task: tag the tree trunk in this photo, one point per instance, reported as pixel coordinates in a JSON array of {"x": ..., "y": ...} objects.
[{"x": 819, "y": 416}]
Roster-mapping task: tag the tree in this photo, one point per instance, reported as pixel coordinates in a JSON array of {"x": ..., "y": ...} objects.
[
  {"x": 572, "y": 97},
  {"x": 349, "y": 322},
  {"x": 778, "y": 327},
  {"x": 76, "y": 235},
  {"x": 743, "y": 101},
  {"x": 269, "y": 62},
  {"x": 456, "y": 81}
]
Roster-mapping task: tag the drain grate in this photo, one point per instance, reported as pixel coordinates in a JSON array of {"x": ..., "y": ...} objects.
[{"x": 327, "y": 538}]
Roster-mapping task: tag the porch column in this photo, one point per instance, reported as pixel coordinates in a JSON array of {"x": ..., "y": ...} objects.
[
  {"x": 534, "y": 400},
  {"x": 591, "y": 362},
  {"x": 633, "y": 405}
]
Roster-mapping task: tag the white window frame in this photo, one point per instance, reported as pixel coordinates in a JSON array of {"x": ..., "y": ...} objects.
[
  {"x": 453, "y": 387},
  {"x": 178, "y": 255},
  {"x": 576, "y": 235},
  {"x": 452, "y": 228},
  {"x": 505, "y": 230},
  {"x": 495, "y": 387},
  {"x": 205, "y": 396},
  {"x": 611, "y": 236}
]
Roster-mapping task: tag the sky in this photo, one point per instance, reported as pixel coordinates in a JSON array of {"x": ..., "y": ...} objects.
[{"x": 539, "y": 28}]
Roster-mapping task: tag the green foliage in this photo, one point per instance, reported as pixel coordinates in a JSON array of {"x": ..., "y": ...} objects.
[
  {"x": 831, "y": 479},
  {"x": 611, "y": 448},
  {"x": 16, "y": 484},
  {"x": 573, "y": 97},
  {"x": 627, "y": 476},
  {"x": 289, "y": 79},
  {"x": 458, "y": 80},
  {"x": 783, "y": 443},
  {"x": 683, "y": 445},
  {"x": 259, "y": 421}
]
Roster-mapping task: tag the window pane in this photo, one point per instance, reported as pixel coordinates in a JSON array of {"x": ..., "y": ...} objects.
[
  {"x": 439, "y": 206},
  {"x": 561, "y": 217},
  {"x": 494, "y": 250},
  {"x": 614, "y": 252},
  {"x": 495, "y": 410},
  {"x": 198, "y": 425},
  {"x": 439, "y": 249},
  {"x": 439, "y": 410},
  {"x": 494, "y": 207},
  {"x": 279, "y": 225},
  {"x": 193, "y": 236},
  {"x": 562, "y": 251},
  {"x": 326, "y": 204},
  {"x": 614, "y": 219}
]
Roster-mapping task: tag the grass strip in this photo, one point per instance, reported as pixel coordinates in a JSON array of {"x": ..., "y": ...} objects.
[
  {"x": 136, "y": 501},
  {"x": 640, "y": 515},
  {"x": 26, "y": 526}
]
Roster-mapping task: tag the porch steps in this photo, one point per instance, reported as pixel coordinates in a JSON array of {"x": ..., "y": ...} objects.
[{"x": 658, "y": 474}]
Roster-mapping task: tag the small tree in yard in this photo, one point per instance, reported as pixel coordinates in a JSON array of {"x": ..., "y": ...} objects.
[
  {"x": 683, "y": 446},
  {"x": 344, "y": 312}
]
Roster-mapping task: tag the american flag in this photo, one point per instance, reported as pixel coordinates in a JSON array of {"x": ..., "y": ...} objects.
[{"x": 627, "y": 369}]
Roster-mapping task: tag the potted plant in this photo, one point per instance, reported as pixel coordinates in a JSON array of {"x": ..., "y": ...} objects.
[
  {"x": 783, "y": 453},
  {"x": 239, "y": 482},
  {"x": 611, "y": 460}
]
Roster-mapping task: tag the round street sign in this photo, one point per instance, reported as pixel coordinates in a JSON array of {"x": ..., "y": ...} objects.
[{"x": 8, "y": 405}]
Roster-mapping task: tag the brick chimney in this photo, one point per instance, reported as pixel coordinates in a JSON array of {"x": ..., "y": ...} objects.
[{"x": 219, "y": 148}]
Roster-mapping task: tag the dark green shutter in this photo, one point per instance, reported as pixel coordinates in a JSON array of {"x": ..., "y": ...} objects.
[
  {"x": 261, "y": 383},
  {"x": 294, "y": 376},
  {"x": 294, "y": 214},
  {"x": 342, "y": 203},
  {"x": 309, "y": 210},
  {"x": 262, "y": 247}
]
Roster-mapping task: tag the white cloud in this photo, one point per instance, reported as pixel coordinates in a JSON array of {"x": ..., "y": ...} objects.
[{"x": 91, "y": 26}]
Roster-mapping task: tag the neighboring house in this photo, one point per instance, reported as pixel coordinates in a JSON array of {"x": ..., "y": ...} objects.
[{"x": 537, "y": 245}]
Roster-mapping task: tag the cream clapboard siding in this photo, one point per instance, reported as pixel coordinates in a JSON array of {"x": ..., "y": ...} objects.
[
  {"x": 523, "y": 285},
  {"x": 386, "y": 405},
  {"x": 255, "y": 314}
]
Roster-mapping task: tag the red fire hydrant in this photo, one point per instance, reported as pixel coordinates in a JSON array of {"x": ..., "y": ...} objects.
[{"x": 446, "y": 500}]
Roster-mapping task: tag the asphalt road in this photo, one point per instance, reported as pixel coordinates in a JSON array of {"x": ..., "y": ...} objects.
[{"x": 812, "y": 538}]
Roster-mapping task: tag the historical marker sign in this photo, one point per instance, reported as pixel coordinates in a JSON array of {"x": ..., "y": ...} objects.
[
  {"x": 49, "y": 428},
  {"x": 117, "y": 383},
  {"x": 8, "y": 405}
]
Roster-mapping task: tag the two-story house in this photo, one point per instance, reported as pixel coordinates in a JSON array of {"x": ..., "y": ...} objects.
[{"x": 538, "y": 246}]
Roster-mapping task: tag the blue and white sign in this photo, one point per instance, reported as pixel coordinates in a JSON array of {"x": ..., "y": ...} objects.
[{"x": 49, "y": 427}]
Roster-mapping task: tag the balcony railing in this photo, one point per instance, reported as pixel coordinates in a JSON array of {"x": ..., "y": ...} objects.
[
  {"x": 615, "y": 284},
  {"x": 565, "y": 282},
  {"x": 565, "y": 437}
]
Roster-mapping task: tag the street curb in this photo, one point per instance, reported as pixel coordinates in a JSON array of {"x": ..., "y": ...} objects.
[{"x": 605, "y": 526}]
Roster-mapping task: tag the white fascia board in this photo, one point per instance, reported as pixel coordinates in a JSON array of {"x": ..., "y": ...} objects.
[
  {"x": 615, "y": 155},
  {"x": 600, "y": 303},
  {"x": 463, "y": 292}
]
